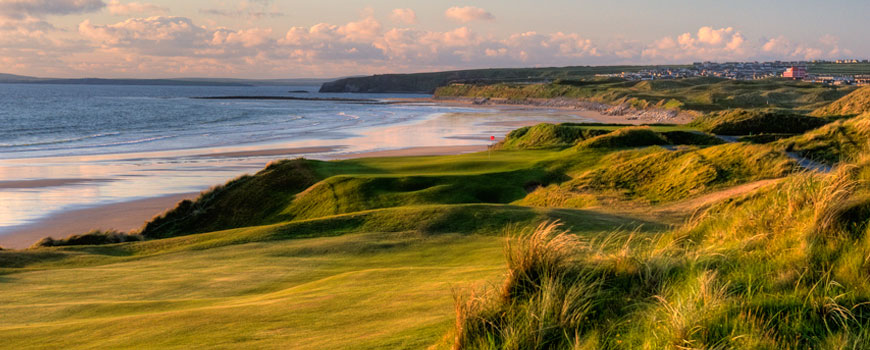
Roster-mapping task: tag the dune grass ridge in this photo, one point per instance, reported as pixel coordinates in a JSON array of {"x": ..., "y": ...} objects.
[
  {"x": 783, "y": 268},
  {"x": 855, "y": 103},
  {"x": 844, "y": 140},
  {"x": 698, "y": 95},
  {"x": 247, "y": 200}
]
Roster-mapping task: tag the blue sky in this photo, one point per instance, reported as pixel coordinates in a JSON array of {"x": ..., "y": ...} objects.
[{"x": 327, "y": 38}]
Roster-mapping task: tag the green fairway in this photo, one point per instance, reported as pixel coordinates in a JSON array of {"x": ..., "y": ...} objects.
[{"x": 315, "y": 293}]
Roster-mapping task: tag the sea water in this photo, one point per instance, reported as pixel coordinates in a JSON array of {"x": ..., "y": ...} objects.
[{"x": 103, "y": 144}]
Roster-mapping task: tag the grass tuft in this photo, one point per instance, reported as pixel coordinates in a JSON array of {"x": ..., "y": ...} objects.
[
  {"x": 855, "y": 103},
  {"x": 784, "y": 267}
]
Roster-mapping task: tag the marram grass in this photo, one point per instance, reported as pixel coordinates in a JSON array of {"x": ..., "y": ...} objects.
[{"x": 783, "y": 268}]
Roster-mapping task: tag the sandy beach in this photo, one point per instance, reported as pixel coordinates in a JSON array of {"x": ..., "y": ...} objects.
[
  {"x": 131, "y": 215},
  {"x": 46, "y": 183},
  {"x": 124, "y": 216},
  {"x": 270, "y": 152}
]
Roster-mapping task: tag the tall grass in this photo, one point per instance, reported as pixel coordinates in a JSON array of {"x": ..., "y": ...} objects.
[
  {"x": 845, "y": 140},
  {"x": 535, "y": 307},
  {"x": 854, "y": 103},
  {"x": 787, "y": 267}
]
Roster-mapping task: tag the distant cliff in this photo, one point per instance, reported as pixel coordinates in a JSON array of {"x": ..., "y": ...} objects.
[{"x": 428, "y": 82}]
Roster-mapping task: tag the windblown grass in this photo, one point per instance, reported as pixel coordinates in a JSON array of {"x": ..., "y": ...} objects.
[
  {"x": 543, "y": 136},
  {"x": 855, "y": 103},
  {"x": 657, "y": 175},
  {"x": 748, "y": 122},
  {"x": 561, "y": 136},
  {"x": 784, "y": 268},
  {"x": 248, "y": 200},
  {"x": 840, "y": 141}
]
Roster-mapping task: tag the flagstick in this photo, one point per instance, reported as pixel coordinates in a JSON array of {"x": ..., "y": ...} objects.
[{"x": 489, "y": 149}]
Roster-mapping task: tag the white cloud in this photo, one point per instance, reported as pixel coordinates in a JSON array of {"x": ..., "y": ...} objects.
[
  {"x": 246, "y": 38},
  {"x": 20, "y": 9},
  {"x": 468, "y": 14},
  {"x": 132, "y": 8},
  {"x": 827, "y": 47},
  {"x": 707, "y": 44},
  {"x": 159, "y": 36},
  {"x": 166, "y": 45},
  {"x": 404, "y": 16}
]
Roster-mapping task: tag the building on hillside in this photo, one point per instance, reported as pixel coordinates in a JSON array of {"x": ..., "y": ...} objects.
[{"x": 795, "y": 72}]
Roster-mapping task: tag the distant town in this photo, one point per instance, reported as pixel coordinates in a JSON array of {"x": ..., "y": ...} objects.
[{"x": 751, "y": 71}]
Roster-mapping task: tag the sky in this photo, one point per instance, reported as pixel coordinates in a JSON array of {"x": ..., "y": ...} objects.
[{"x": 332, "y": 38}]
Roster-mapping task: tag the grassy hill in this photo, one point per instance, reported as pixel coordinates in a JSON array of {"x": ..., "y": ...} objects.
[
  {"x": 428, "y": 82},
  {"x": 676, "y": 240},
  {"x": 855, "y": 103},
  {"x": 843, "y": 140},
  {"x": 781, "y": 268},
  {"x": 549, "y": 136},
  {"x": 757, "y": 121},
  {"x": 694, "y": 94}
]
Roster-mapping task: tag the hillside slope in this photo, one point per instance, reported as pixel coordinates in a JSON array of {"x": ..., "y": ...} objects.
[
  {"x": 694, "y": 94},
  {"x": 855, "y": 103},
  {"x": 841, "y": 141},
  {"x": 428, "y": 82},
  {"x": 783, "y": 267}
]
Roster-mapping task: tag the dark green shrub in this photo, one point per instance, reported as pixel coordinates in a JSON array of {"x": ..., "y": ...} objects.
[{"x": 95, "y": 237}]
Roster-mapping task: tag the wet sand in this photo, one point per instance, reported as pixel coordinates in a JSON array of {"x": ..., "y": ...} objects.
[
  {"x": 131, "y": 215},
  {"x": 18, "y": 184},
  {"x": 419, "y": 151},
  {"x": 271, "y": 152},
  {"x": 126, "y": 216}
]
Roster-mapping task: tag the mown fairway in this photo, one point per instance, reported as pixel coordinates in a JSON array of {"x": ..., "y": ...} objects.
[{"x": 362, "y": 291}]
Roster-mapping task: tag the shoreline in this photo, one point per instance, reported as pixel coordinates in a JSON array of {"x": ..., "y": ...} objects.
[
  {"x": 123, "y": 216},
  {"x": 131, "y": 215},
  {"x": 41, "y": 183}
]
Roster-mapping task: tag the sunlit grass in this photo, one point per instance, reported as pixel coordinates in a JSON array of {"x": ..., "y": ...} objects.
[{"x": 781, "y": 268}]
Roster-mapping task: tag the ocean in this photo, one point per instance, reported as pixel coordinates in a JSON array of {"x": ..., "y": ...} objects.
[
  {"x": 66, "y": 147},
  {"x": 56, "y": 120}
]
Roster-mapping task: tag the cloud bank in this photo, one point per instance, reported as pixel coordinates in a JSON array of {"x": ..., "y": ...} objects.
[
  {"x": 19, "y": 9},
  {"x": 174, "y": 46}
]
